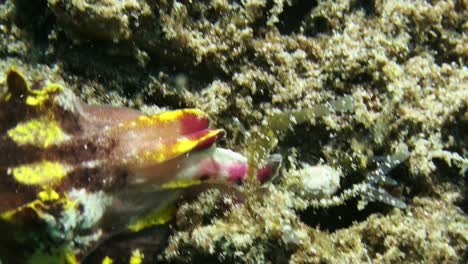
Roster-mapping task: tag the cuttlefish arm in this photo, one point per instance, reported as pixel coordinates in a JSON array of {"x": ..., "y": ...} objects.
[
  {"x": 177, "y": 145},
  {"x": 167, "y": 156}
]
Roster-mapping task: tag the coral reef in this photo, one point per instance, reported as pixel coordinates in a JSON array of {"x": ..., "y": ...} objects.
[{"x": 267, "y": 72}]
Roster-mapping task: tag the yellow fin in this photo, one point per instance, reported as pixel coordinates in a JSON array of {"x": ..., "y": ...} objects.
[
  {"x": 107, "y": 260},
  {"x": 40, "y": 173},
  {"x": 41, "y": 132},
  {"x": 136, "y": 257},
  {"x": 154, "y": 218},
  {"x": 181, "y": 183}
]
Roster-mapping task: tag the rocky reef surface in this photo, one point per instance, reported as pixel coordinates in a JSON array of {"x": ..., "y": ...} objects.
[{"x": 251, "y": 63}]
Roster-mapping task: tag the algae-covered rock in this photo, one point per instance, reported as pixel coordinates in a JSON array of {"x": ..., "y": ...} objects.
[
  {"x": 105, "y": 20},
  {"x": 271, "y": 73}
]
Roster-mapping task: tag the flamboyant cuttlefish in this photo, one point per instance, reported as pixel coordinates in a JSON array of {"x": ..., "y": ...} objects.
[{"x": 71, "y": 173}]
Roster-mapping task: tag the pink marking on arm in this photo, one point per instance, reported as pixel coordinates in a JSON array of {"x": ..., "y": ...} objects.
[
  {"x": 265, "y": 173},
  {"x": 237, "y": 172},
  {"x": 213, "y": 170}
]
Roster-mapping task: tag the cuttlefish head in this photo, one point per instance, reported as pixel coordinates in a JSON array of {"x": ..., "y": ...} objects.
[{"x": 80, "y": 168}]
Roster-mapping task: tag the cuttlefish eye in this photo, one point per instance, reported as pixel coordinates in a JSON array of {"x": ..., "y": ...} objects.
[{"x": 37, "y": 85}]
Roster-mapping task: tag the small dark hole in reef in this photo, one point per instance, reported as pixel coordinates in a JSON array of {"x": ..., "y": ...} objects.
[
  {"x": 320, "y": 25},
  {"x": 291, "y": 17},
  {"x": 364, "y": 77},
  {"x": 261, "y": 97},
  {"x": 446, "y": 173},
  {"x": 308, "y": 139},
  {"x": 443, "y": 48},
  {"x": 463, "y": 203},
  {"x": 368, "y": 6},
  {"x": 35, "y": 17},
  {"x": 260, "y": 23},
  {"x": 276, "y": 252},
  {"x": 457, "y": 131},
  {"x": 450, "y": 174},
  {"x": 343, "y": 216}
]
